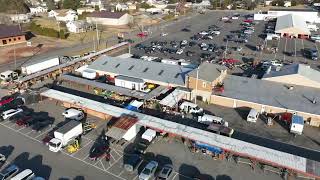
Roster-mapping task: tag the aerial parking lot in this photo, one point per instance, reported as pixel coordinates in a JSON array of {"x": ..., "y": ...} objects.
[
  {"x": 80, "y": 165},
  {"x": 218, "y": 35}
]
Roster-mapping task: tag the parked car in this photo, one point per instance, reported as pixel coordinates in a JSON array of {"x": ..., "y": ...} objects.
[
  {"x": 132, "y": 162},
  {"x": 311, "y": 53},
  {"x": 8, "y": 172},
  {"x": 26, "y": 174},
  {"x": 99, "y": 151},
  {"x": 23, "y": 120},
  {"x": 41, "y": 124},
  {"x": 165, "y": 172},
  {"x": 148, "y": 171},
  {"x": 7, "y": 114},
  {"x": 179, "y": 51},
  {"x": 74, "y": 114}
]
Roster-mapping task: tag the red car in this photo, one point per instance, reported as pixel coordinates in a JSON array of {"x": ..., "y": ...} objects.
[
  {"x": 6, "y": 101},
  {"x": 142, "y": 34},
  {"x": 248, "y": 21},
  {"x": 47, "y": 138},
  {"x": 23, "y": 121}
]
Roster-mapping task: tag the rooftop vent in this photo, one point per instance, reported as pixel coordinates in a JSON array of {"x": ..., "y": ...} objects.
[
  {"x": 145, "y": 70},
  {"x": 177, "y": 75},
  {"x": 160, "y": 72},
  {"x": 130, "y": 67},
  {"x": 290, "y": 87},
  {"x": 117, "y": 65},
  {"x": 105, "y": 63},
  {"x": 314, "y": 101}
]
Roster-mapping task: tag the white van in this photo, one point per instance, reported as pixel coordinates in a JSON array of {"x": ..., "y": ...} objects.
[
  {"x": 253, "y": 115},
  {"x": 26, "y": 174},
  {"x": 73, "y": 114},
  {"x": 189, "y": 107}
]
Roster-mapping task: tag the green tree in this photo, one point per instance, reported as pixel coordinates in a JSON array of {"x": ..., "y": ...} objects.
[
  {"x": 50, "y": 4},
  {"x": 293, "y": 3},
  {"x": 214, "y": 4},
  {"x": 173, "y": 1},
  {"x": 71, "y": 4}
]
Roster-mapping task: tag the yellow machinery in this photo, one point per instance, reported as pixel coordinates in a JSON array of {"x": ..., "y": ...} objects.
[{"x": 74, "y": 147}]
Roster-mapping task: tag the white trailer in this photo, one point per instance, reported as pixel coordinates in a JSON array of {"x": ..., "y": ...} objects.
[
  {"x": 89, "y": 74},
  {"x": 208, "y": 119},
  {"x": 64, "y": 135},
  {"x": 36, "y": 67},
  {"x": 149, "y": 135},
  {"x": 129, "y": 82},
  {"x": 297, "y": 124}
]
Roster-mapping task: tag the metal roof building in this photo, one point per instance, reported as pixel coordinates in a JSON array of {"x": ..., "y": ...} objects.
[
  {"x": 153, "y": 72},
  {"x": 291, "y": 25},
  {"x": 295, "y": 74},
  {"x": 264, "y": 154},
  {"x": 271, "y": 93}
]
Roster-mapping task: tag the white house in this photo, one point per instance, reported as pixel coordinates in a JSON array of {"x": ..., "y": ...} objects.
[
  {"x": 52, "y": 13},
  {"x": 38, "y": 9},
  {"x": 110, "y": 18},
  {"x": 77, "y": 26},
  {"x": 19, "y": 18},
  {"x": 287, "y": 4},
  {"x": 66, "y": 15},
  {"x": 121, "y": 7}
]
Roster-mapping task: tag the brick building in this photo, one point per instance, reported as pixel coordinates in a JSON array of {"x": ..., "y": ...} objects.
[{"x": 11, "y": 35}]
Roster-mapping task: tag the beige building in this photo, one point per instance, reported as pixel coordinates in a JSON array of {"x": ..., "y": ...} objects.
[
  {"x": 110, "y": 18},
  {"x": 295, "y": 74},
  {"x": 203, "y": 79},
  {"x": 292, "y": 25},
  {"x": 270, "y": 97}
]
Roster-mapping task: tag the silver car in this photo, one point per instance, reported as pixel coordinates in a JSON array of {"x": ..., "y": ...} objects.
[{"x": 148, "y": 171}]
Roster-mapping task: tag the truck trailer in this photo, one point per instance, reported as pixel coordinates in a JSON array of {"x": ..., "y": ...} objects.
[
  {"x": 37, "y": 67},
  {"x": 64, "y": 135}
]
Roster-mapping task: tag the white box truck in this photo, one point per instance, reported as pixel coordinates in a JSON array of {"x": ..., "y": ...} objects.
[
  {"x": 209, "y": 119},
  {"x": 36, "y": 67},
  {"x": 189, "y": 107},
  {"x": 64, "y": 135}
]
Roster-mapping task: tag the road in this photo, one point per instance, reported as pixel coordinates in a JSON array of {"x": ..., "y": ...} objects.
[
  {"x": 28, "y": 153},
  {"x": 152, "y": 29}
]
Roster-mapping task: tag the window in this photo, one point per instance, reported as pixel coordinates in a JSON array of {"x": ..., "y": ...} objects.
[
  {"x": 9, "y": 40},
  {"x": 14, "y": 39},
  {"x": 4, "y": 41},
  {"x": 204, "y": 84},
  {"x": 19, "y": 38}
]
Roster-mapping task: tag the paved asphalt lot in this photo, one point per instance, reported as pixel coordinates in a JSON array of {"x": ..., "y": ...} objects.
[
  {"x": 25, "y": 148},
  {"x": 201, "y": 22}
]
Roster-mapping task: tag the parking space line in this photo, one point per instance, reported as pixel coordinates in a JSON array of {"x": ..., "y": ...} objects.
[
  {"x": 135, "y": 177},
  {"x": 174, "y": 176},
  {"x": 112, "y": 157},
  {"x": 113, "y": 163},
  {"x": 44, "y": 132},
  {"x": 94, "y": 166},
  {"x": 116, "y": 152},
  {"x": 85, "y": 157},
  {"x": 97, "y": 162},
  {"x": 6, "y": 122},
  {"x": 102, "y": 165},
  {"x": 21, "y": 128},
  {"x": 29, "y": 132},
  {"x": 121, "y": 173}
]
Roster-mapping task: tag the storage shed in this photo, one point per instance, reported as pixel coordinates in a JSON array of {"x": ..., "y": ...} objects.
[{"x": 129, "y": 82}]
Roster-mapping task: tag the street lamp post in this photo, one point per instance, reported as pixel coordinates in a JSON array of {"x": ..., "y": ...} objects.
[{"x": 197, "y": 79}]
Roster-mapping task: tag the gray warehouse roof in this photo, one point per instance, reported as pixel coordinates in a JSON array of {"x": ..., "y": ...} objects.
[
  {"x": 208, "y": 71},
  {"x": 146, "y": 70},
  {"x": 271, "y": 93},
  {"x": 301, "y": 69},
  {"x": 291, "y": 21}
]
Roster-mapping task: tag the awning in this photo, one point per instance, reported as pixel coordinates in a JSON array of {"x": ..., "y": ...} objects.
[{"x": 173, "y": 98}]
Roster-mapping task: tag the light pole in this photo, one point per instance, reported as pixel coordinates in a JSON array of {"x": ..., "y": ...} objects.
[
  {"x": 14, "y": 54},
  {"x": 197, "y": 79}
]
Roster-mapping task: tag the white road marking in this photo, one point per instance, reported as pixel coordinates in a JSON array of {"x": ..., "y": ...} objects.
[
  {"x": 121, "y": 172},
  {"x": 102, "y": 165},
  {"x": 45, "y": 132},
  {"x": 174, "y": 176}
]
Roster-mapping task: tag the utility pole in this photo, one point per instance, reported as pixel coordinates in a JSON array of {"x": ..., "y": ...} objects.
[
  {"x": 97, "y": 31},
  {"x": 197, "y": 79},
  {"x": 14, "y": 54}
]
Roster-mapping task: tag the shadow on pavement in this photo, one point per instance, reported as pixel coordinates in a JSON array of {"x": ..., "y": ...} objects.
[
  {"x": 35, "y": 164},
  {"x": 6, "y": 150}
]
